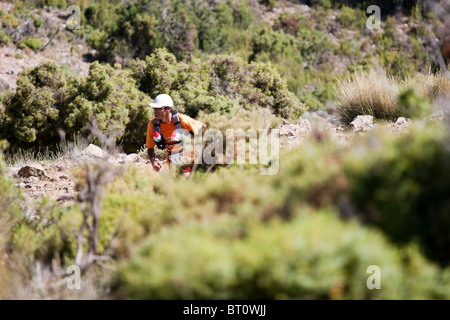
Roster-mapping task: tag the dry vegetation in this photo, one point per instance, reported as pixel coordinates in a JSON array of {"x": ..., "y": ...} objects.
[{"x": 373, "y": 196}]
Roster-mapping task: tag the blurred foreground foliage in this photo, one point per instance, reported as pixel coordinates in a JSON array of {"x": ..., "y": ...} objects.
[{"x": 308, "y": 232}]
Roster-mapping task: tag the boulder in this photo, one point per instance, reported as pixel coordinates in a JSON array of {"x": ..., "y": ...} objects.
[
  {"x": 29, "y": 171},
  {"x": 132, "y": 157},
  {"x": 292, "y": 130},
  {"x": 288, "y": 130},
  {"x": 94, "y": 151},
  {"x": 361, "y": 123},
  {"x": 400, "y": 121},
  {"x": 435, "y": 117},
  {"x": 305, "y": 125}
]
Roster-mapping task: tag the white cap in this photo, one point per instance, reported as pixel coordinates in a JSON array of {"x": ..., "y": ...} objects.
[{"x": 162, "y": 100}]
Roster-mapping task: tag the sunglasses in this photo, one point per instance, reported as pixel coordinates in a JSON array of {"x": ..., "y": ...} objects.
[{"x": 161, "y": 109}]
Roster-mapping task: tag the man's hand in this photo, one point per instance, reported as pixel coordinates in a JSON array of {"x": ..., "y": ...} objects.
[{"x": 157, "y": 165}]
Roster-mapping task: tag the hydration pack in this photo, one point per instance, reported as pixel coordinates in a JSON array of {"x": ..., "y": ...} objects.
[{"x": 161, "y": 144}]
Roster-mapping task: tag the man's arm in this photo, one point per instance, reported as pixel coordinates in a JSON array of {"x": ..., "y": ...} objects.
[{"x": 155, "y": 163}]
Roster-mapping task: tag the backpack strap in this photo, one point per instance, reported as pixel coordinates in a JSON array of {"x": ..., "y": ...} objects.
[
  {"x": 157, "y": 128},
  {"x": 176, "y": 122}
]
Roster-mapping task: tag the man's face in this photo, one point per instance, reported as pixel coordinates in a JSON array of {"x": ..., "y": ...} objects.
[{"x": 162, "y": 114}]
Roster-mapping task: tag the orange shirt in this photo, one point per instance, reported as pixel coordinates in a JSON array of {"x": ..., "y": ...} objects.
[{"x": 167, "y": 129}]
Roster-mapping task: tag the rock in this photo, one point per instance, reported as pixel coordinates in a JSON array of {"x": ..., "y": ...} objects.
[
  {"x": 361, "y": 123},
  {"x": 304, "y": 124},
  {"x": 94, "y": 151},
  {"x": 132, "y": 157},
  {"x": 293, "y": 130},
  {"x": 437, "y": 116},
  {"x": 28, "y": 171},
  {"x": 31, "y": 180},
  {"x": 20, "y": 185},
  {"x": 284, "y": 122},
  {"x": 65, "y": 197},
  {"x": 306, "y": 115},
  {"x": 12, "y": 172},
  {"x": 322, "y": 113},
  {"x": 288, "y": 130},
  {"x": 401, "y": 120}
]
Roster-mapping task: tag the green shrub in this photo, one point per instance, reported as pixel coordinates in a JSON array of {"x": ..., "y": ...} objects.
[
  {"x": 30, "y": 42},
  {"x": 414, "y": 105},
  {"x": 46, "y": 101},
  {"x": 137, "y": 29},
  {"x": 32, "y": 111},
  {"x": 46, "y": 238},
  {"x": 216, "y": 84},
  {"x": 327, "y": 4},
  {"x": 38, "y": 21},
  {"x": 56, "y": 3},
  {"x": 10, "y": 199},
  {"x": 315, "y": 256},
  {"x": 243, "y": 15},
  {"x": 10, "y": 202},
  {"x": 157, "y": 73},
  {"x": 401, "y": 185},
  {"x": 108, "y": 96},
  {"x": 352, "y": 18},
  {"x": 9, "y": 19},
  {"x": 4, "y": 38}
]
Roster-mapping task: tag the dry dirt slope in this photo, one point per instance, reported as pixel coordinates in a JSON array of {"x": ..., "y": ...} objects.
[{"x": 59, "y": 50}]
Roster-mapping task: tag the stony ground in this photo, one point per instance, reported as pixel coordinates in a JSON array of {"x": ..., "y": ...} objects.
[
  {"x": 56, "y": 180},
  {"x": 57, "y": 49}
]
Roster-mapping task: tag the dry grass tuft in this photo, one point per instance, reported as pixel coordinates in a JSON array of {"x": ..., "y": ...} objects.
[{"x": 373, "y": 93}]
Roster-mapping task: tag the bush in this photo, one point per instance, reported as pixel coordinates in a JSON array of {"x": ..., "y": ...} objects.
[
  {"x": 314, "y": 256},
  {"x": 10, "y": 199},
  {"x": 109, "y": 97},
  {"x": 400, "y": 185},
  {"x": 156, "y": 74},
  {"x": 45, "y": 101},
  {"x": 37, "y": 21},
  {"x": 216, "y": 84},
  {"x": 138, "y": 29},
  {"x": 4, "y": 39},
  {"x": 30, "y": 42},
  {"x": 32, "y": 111},
  {"x": 9, "y": 19},
  {"x": 350, "y": 18},
  {"x": 49, "y": 237}
]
